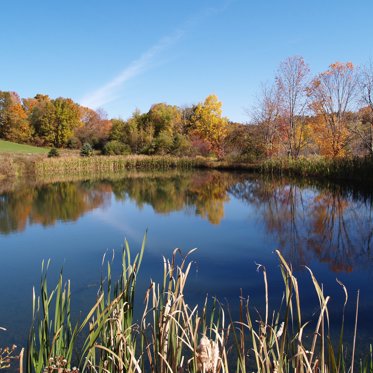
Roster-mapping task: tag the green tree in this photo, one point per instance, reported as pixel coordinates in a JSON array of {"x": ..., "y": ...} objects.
[
  {"x": 163, "y": 118},
  {"x": 54, "y": 121},
  {"x": 126, "y": 132},
  {"x": 210, "y": 125},
  {"x": 42, "y": 116}
]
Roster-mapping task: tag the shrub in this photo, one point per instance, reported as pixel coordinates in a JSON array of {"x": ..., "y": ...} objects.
[
  {"x": 86, "y": 150},
  {"x": 181, "y": 145},
  {"x": 54, "y": 152},
  {"x": 163, "y": 143},
  {"x": 74, "y": 143},
  {"x": 115, "y": 147}
]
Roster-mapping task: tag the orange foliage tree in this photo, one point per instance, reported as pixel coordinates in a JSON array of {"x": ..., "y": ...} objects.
[
  {"x": 332, "y": 93},
  {"x": 14, "y": 125}
]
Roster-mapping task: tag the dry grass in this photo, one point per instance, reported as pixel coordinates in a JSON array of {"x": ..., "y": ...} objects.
[
  {"x": 172, "y": 336},
  {"x": 354, "y": 169}
]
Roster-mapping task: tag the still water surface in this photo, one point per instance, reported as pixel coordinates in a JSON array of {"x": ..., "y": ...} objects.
[{"x": 235, "y": 220}]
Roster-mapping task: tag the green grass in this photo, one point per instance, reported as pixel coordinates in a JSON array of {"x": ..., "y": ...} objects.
[{"x": 11, "y": 147}]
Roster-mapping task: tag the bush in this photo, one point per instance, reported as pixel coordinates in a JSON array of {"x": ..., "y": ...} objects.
[
  {"x": 74, "y": 143},
  {"x": 86, "y": 150},
  {"x": 181, "y": 145},
  {"x": 115, "y": 147},
  {"x": 163, "y": 143},
  {"x": 54, "y": 152}
]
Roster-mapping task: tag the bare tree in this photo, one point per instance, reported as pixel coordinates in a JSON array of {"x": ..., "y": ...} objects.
[
  {"x": 292, "y": 82},
  {"x": 266, "y": 116},
  {"x": 365, "y": 128}
]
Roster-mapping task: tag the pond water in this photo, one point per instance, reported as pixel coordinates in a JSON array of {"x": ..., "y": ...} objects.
[{"x": 235, "y": 220}]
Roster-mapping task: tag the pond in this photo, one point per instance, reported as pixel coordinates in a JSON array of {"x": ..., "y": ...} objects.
[{"x": 235, "y": 220}]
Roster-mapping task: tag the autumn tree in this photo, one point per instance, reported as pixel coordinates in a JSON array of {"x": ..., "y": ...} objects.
[
  {"x": 41, "y": 116},
  {"x": 133, "y": 132},
  {"x": 165, "y": 120},
  {"x": 187, "y": 113},
  {"x": 266, "y": 116},
  {"x": 244, "y": 143},
  {"x": 14, "y": 125},
  {"x": 210, "y": 125},
  {"x": 94, "y": 129},
  {"x": 67, "y": 119},
  {"x": 332, "y": 93},
  {"x": 54, "y": 121},
  {"x": 164, "y": 117},
  {"x": 292, "y": 82},
  {"x": 365, "y": 128}
]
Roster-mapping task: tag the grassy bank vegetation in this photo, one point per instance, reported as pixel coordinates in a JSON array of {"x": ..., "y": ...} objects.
[
  {"x": 40, "y": 167},
  {"x": 13, "y": 166},
  {"x": 115, "y": 164},
  {"x": 354, "y": 169},
  {"x": 173, "y": 336}
]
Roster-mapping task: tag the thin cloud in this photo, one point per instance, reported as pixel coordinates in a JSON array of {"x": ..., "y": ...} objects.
[{"x": 107, "y": 93}]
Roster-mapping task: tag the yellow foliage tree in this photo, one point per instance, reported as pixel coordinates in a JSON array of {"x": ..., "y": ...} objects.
[{"x": 210, "y": 125}]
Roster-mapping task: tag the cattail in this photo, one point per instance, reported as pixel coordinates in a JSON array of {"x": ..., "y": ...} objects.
[
  {"x": 280, "y": 330},
  {"x": 207, "y": 355}
]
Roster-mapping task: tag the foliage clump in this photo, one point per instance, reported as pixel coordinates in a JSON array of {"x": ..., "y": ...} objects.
[
  {"x": 54, "y": 152},
  {"x": 86, "y": 150},
  {"x": 115, "y": 147}
]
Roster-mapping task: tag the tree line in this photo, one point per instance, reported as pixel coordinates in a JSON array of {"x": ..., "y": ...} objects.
[
  {"x": 165, "y": 129},
  {"x": 330, "y": 114}
]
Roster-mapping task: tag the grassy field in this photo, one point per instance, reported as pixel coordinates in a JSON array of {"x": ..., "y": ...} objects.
[{"x": 11, "y": 147}]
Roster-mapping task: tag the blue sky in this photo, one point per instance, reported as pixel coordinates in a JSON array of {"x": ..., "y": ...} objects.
[{"x": 122, "y": 55}]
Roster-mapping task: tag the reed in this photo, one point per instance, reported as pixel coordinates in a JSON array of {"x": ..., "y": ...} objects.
[
  {"x": 105, "y": 164},
  {"x": 39, "y": 167},
  {"x": 356, "y": 169},
  {"x": 7, "y": 355},
  {"x": 170, "y": 336}
]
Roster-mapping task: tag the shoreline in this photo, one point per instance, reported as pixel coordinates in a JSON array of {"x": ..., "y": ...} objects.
[{"x": 15, "y": 167}]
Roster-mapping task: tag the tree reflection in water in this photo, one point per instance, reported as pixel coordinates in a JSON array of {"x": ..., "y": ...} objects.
[
  {"x": 331, "y": 223},
  {"x": 204, "y": 193}
]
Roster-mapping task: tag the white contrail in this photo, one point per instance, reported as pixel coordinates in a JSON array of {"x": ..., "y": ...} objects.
[{"x": 106, "y": 93}]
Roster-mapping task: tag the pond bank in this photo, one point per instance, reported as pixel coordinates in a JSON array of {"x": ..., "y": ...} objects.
[
  {"x": 40, "y": 167},
  {"x": 357, "y": 169},
  {"x": 35, "y": 167}
]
